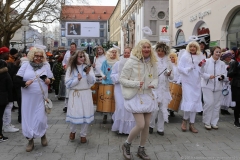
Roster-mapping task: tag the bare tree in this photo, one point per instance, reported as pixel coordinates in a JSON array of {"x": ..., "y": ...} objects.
[{"x": 12, "y": 12}]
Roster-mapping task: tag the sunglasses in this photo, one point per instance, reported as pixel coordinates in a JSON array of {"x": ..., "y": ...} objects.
[
  {"x": 81, "y": 56},
  {"x": 38, "y": 57}
]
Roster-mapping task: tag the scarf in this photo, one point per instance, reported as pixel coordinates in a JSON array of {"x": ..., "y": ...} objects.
[
  {"x": 36, "y": 66},
  {"x": 111, "y": 62}
]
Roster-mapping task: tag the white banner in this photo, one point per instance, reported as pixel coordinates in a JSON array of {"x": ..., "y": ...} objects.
[{"x": 82, "y": 29}]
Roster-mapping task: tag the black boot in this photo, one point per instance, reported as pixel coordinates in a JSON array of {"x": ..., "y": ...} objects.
[{"x": 222, "y": 112}]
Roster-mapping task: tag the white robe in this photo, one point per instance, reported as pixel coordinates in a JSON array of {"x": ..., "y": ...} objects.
[
  {"x": 162, "y": 92},
  {"x": 80, "y": 104},
  {"x": 98, "y": 62},
  {"x": 191, "y": 82},
  {"x": 123, "y": 120},
  {"x": 34, "y": 118}
]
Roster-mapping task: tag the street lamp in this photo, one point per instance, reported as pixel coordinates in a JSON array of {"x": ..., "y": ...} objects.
[
  {"x": 44, "y": 30},
  {"x": 25, "y": 27}
]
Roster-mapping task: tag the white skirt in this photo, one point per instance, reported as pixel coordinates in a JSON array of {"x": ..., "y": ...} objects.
[
  {"x": 80, "y": 107},
  {"x": 141, "y": 103}
]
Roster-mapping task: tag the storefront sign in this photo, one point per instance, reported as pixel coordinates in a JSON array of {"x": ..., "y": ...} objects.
[
  {"x": 200, "y": 15},
  {"x": 178, "y": 24},
  {"x": 214, "y": 43}
]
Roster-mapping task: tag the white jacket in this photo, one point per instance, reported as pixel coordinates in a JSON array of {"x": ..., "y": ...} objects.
[
  {"x": 135, "y": 71},
  {"x": 215, "y": 68}
]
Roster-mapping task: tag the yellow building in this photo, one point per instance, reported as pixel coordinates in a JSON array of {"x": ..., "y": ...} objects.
[{"x": 114, "y": 25}]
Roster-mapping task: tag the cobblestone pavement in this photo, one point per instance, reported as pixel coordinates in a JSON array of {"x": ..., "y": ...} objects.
[{"x": 103, "y": 144}]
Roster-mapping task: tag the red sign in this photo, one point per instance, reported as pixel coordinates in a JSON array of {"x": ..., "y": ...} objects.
[{"x": 203, "y": 31}]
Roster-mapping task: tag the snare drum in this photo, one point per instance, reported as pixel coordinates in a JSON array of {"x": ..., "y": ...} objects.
[
  {"x": 106, "y": 102},
  {"x": 176, "y": 93}
]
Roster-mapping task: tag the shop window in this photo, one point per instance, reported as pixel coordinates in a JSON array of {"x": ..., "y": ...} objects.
[
  {"x": 180, "y": 38},
  {"x": 102, "y": 33},
  {"x": 233, "y": 37}
]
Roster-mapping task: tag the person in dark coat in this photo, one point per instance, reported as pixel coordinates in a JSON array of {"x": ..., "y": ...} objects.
[
  {"x": 234, "y": 74},
  {"x": 5, "y": 87}
]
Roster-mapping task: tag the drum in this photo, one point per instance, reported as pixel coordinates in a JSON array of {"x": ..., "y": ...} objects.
[
  {"x": 176, "y": 93},
  {"x": 62, "y": 88},
  {"x": 94, "y": 89},
  {"x": 106, "y": 102}
]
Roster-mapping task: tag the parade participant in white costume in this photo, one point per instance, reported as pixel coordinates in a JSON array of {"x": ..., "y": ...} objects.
[
  {"x": 67, "y": 56},
  {"x": 191, "y": 84},
  {"x": 227, "y": 102},
  {"x": 162, "y": 93},
  {"x": 112, "y": 56},
  {"x": 214, "y": 72},
  {"x": 34, "y": 118},
  {"x": 123, "y": 121},
  {"x": 79, "y": 79},
  {"x": 174, "y": 59},
  {"x": 138, "y": 77},
  {"x": 98, "y": 60}
]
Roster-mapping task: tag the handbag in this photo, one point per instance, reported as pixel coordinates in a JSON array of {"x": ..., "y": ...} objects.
[
  {"x": 225, "y": 91},
  {"x": 47, "y": 102}
]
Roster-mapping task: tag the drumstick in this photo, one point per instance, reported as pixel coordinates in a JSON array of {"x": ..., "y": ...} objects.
[{"x": 35, "y": 78}]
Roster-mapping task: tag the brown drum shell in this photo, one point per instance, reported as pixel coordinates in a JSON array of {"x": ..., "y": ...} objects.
[
  {"x": 94, "y": 89},
  {"x": 176, "y": 93},
  {"x": 106, "y": 102}
]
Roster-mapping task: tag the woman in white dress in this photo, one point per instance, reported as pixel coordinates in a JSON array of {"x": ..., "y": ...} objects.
[
  {"x": 162, "y": 93},
  {"x": 174, "y": 59},
  {"x": 214, "y": 72},
  {"x": 191, "y": 84},
  {"x": 34, "y": 118},
  {"x": 98, "y": 60},
  {"x": 123, "y": 121},
  {"x": 139, "y": 75},
  {"x": 79, "y": 79}
]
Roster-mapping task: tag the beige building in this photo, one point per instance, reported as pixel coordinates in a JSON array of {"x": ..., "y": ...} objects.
[
  {"x": 217, "y": 20},
  {"x": 114, "y": 25}
]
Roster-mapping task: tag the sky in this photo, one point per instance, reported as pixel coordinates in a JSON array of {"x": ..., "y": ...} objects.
[{"x": 97, "y": 2}]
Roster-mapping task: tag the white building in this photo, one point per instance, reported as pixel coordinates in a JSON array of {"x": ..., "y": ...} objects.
[
  {"x": 137, "y": 14},
  {"x": 220, "y": 19}
]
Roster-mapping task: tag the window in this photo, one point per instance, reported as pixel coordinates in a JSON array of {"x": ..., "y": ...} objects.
[
  {"x": 102, "y": 33},
  {"x": 153, "y": 26},
  {"x": 69, "y": 42},
  {"x": 82, "y": 40},
  {"x": 96, "y": 41},
  {"x": 63, "y": 33},
  {"x": 63, "y": 25},
  {"x": 233, "y": 37},
  {"x": 101, "y": 25},
  {"x": 76, "y": 41},
  {"x": 161, "y": 15},
  {"x": 63, "y": 44},
  {"x": 180, "y": 38},
  {"x": 101, "y": 41},
  {"x": 167, "y": 22},
  {"x": 88, "y": 40}
]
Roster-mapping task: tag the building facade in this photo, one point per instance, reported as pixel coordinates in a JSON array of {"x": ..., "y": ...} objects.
[
  {"x": 115, "y": 25},
  {"x": 84, "y": 25},
  {"x": 218, "y": 19},
  {"x": 137, "y": 14}
]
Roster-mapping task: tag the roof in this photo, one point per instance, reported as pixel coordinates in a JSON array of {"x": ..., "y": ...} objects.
[{"x": 86, "y": 12}]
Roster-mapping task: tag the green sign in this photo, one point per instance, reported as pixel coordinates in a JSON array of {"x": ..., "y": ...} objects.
[{"x": 213, "y": 43}]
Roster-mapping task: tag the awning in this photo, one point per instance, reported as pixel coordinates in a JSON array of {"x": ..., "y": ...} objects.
[{"x": 183, "y": 45}]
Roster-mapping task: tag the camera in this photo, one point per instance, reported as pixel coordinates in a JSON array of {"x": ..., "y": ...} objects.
[{"x": 85, "y": 68}]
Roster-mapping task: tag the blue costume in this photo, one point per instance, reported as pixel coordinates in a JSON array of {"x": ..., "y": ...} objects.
[{"x": 106, "y": 70}]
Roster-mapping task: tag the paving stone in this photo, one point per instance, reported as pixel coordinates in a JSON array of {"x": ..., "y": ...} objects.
[
  {"x": 7, "y": 156},
  {"x": 234, "y": 154},
  {"x": 191, "y": 155},
  {"x": 217, "y": 146},
  {"x": 50, "y": 156},
  {"x": 76, "y": 156},
  {"x": 196, "y": 146},
  {"x": 5, "y": 148},
  {"x": 168, "y": 156},
  {"x": 174, "y": 147},
  {"x": 219, "y": 155},
  {"x": 65, "y": 149},
  {"x": 98, "y": 156}
]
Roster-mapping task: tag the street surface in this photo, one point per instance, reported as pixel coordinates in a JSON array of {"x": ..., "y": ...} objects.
[{"x": 103, "y": 144}]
